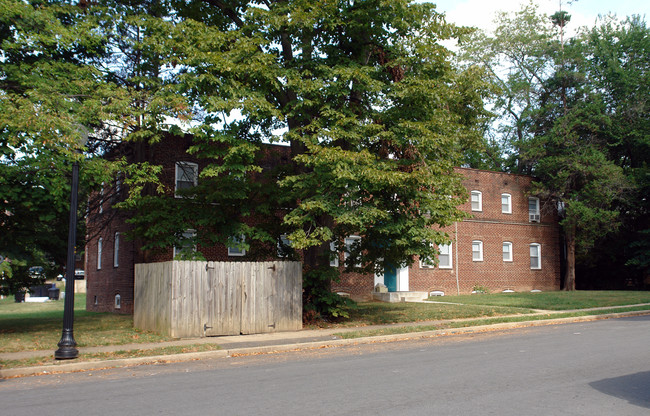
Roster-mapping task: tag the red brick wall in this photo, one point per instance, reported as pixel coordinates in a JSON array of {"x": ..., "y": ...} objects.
[
  {"x": 490, "y": 226},
  {"x": 105, "y": 283},
  {"x": 102, "y": 285}
]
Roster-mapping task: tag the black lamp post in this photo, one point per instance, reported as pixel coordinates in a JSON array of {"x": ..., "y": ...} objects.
[{"x": 67, "y": 345}]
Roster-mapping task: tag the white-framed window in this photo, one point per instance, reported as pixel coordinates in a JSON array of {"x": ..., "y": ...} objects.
[
  {"x": 187, "y": 246},
  {"x": 118, "y": 188},
  {"x": 350, "y": 242},
  {"x": 444, "y": 258},
  {"x": 235, "y": 250},
  {"x": 118, "y": 301},
  {"x": 506, "y": 203},
  {"x": 101, "y": 199},
  {"x": 476, "y": 198},
  {"x": 426, "y": 263},
  {"x": 334, "y": 255},
  {"x": 477, "y": 250},
  {"x": 507, "y": 251},
  {"x": 533, "y": 209},
  {"x": 284, "y": 245},
  {"x": 187, "y": 175},
  {"x": 535, "y": 256},
  {"x": 116, "y": 250},
  {"x": 100, "y": 243}
]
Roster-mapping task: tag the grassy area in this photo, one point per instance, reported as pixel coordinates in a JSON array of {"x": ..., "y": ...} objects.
[
  {"x": 478, "y": 322},
  {"x": 31, "y": 362},
  {"x": 37, "y": 326},
  {"x": 374, "y": 313},
  {"x": 553, "y": 300}
]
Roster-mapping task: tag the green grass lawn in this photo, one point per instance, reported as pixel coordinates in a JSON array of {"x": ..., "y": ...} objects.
[
  {"x": 37, "y": 326},
  {"x": 553, "y": 300},
  {"x": 373, "y": 313}
]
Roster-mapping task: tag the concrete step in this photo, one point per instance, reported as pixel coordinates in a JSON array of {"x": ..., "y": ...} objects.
[{"x": 393, "y": 297}]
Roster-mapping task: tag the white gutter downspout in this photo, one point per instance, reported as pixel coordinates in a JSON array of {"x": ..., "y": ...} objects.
[{"x": 457, "y": 281}]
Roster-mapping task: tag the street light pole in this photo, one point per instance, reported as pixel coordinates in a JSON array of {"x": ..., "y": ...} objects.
[{"x": 67, "y": 345}]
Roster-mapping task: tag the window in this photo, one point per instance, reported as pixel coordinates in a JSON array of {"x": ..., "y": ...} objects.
[
  {"x": 100, "y": 242},
  {"x": 351, "y": 244},
  {"x": 187, "y": 174},
  {"x": 506, "y": 203},
  {"x": 236, "y": 250},
  {"x": 533, "y": 209},
  {"x": 101, "y": 199},
  {"x": 426, "y": 263},
  {"x": 477, "y": 250},
  {"x": 284, "y": 246},
  {"x": 477, "y": 201},
  {"x": 116, "y": 250},
  {"x": 535, "y": 256},
  {"x": 507, "y": 251},
  {"x": 187, "y": 246},
  {"x": 118, "y": 189},
  {"x": 444, "y": 258},
  {"x": 118, "y": 301},
  {"x": 334, "y": 256}
]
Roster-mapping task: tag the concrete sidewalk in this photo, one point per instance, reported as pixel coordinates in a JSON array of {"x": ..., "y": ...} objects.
[{"x": 280, "y": 341}]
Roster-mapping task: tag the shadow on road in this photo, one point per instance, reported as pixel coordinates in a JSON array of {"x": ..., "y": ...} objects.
[{"x": 635, "y": 388}]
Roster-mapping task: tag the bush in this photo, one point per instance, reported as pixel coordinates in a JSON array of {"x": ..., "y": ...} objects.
[{"x": 319, "y": 302}]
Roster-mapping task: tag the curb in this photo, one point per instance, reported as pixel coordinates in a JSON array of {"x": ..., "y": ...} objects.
[{"x": 271, "y": 349}]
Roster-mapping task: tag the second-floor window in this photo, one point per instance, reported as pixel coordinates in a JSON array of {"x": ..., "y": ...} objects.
[
  {"x": 533, "y": 209},
  {"x": 477, "y": 200},
  {"x": 506, "y": 203},
  {"x": 187, "y": 174}
]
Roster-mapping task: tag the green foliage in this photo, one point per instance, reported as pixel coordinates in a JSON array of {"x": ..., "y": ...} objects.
[
  {"x": 575, "y": 114},
  {"x": 15, "y": 276},
  {"x": 319, "y": 302},
  {"x": 480, "y": 289}
]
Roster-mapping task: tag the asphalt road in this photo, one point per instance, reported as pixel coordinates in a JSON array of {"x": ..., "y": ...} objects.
[{"x": 594, "y": 368}]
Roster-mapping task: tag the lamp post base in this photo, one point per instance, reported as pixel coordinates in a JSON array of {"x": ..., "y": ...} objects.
[{"x": 67, "y": 347}]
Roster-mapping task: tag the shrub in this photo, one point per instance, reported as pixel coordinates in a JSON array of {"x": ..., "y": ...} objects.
[{"x": 319, "y": 302}]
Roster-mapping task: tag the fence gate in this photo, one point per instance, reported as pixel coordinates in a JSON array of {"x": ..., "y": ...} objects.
[{"x": 218, "y": 298}]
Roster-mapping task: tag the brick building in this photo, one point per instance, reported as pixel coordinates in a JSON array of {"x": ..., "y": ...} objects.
[{"x": 505, "y": 244}]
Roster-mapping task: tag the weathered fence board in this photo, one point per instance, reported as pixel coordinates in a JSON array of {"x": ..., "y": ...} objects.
[
  {"x": 190, "y": 298},
  {"x": 154, "y": 290}
]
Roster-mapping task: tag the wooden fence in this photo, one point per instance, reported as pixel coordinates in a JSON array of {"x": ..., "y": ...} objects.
[{"x": 192, "y": 298}]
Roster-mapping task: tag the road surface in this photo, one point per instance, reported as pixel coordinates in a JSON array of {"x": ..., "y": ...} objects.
[{"x": 594, "y": 368}]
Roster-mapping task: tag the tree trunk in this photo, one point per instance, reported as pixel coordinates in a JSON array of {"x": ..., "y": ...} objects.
[{"x": 570, "y": 274}]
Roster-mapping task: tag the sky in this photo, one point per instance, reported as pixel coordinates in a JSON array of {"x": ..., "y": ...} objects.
[{"x": 480, "y": 13}]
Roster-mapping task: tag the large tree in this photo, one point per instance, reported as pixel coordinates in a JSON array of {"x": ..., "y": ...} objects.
[
  {"x": 368, "y": 101},
  {"x": 516, "y": 60},
  {"x": 70, "y": 68},
  {"x": 618, "y": 67},
  {"x": 572, "y": 112},
  {"x": 375, "y": 115}
]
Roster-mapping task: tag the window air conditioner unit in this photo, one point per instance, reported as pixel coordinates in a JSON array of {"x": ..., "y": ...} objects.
[{"x": 534, "y": 217}]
